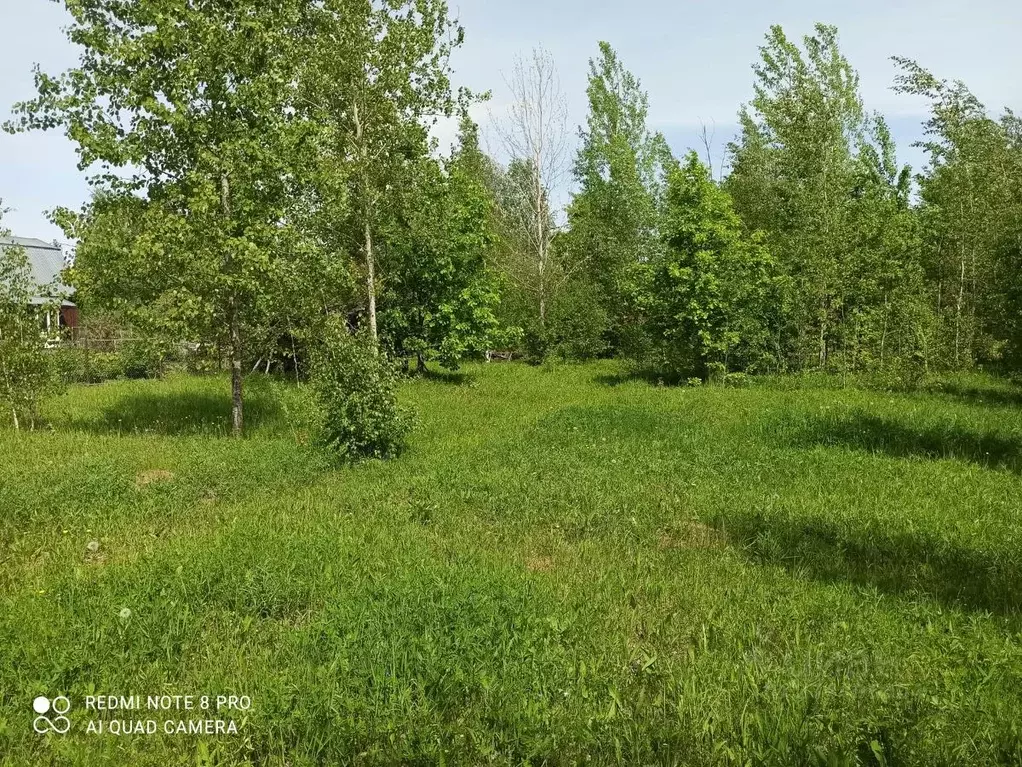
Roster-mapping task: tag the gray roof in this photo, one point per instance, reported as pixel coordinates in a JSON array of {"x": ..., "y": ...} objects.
[{"x": 47, "y": 262}]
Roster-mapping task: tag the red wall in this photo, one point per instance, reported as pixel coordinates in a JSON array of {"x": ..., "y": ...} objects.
[{"x": 69, "y": 317}]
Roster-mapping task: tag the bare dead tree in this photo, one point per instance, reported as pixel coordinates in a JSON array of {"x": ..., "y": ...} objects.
[
  {"x": 707, "y": 141},
  {"x": 534, "y": 134}
]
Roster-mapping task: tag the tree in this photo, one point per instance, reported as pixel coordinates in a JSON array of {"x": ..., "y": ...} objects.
[
  {"x": 24, "y": 368},
  {"x": 441, "y": 297},
  {"x": 711, "y": 297},
  {"x": 376, "y": 75},
  {"x": 534, "y": 136},
  {"x": 614, "y": 218},
  {"x": 799, "y": 174},
  {"x": 193, "y": 103},
  {"x": 1009, "y": 248},
  {"x": 970, "y": 210}
]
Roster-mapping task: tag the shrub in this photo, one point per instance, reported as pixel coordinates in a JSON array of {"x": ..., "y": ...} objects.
[
  {"x": 69, "y": 364},
  {"x": 716, "y": 373},
  {"x": 25, "y": 371},
  {"x": 76, "y": 365},
  {"x": 737, "y": 380},
  {"x": 146, "y": 357},
  {"x": 579, "y": 324},
  {"x": 357, "y": 388}
]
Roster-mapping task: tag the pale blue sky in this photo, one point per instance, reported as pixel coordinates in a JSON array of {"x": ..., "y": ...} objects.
[{"x": 693, "y": 58}]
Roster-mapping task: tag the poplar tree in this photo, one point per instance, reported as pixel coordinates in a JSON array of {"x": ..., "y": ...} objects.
[
  {"x": 801, "y": 173},
  {"x": 971, "y": 212},
  {"x": 186, "y": 111},
  {"x": 376, "y": 76},
  {"x": 619, "y": 169}
]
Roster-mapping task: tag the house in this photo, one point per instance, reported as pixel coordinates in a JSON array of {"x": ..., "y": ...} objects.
[{"x": 47, "y": 262}]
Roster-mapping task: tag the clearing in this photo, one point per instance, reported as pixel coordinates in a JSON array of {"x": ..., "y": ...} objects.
[{"x": 567, "y": 565}]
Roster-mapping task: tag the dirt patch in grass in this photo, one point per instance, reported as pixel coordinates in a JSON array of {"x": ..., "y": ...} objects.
[
  {"x": 692, "y": 535},
  {"x": 150, "y": 476},
  {"x": 539, "y": 564}
]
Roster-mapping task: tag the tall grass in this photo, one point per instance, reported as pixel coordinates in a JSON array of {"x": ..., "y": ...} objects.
[{"x": 567, "y": 566}]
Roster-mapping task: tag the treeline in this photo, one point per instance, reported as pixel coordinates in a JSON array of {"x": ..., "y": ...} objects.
[
  {"x": 263, "y": 168},
  {"x": 817, "y": 251}
]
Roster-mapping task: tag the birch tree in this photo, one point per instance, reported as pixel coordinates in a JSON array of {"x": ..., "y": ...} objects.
[
  {"x": 534, "y": 137},
  {"x": 376, "y": 78}
]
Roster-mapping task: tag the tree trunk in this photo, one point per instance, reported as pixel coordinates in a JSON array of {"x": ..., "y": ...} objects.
[
  {"x": 883, "y": 334},
  {"x": 420, "y": 363},
  {"x": 823, "y": 333},
  {"x": 368, "y": 210},
  {"x": 958, "y": 309},
  {"x": 234, "y": 327},
  {"x": 541, "y": 243},
  {"x": 14, "y": 412},
  {"x": 370, "y": 278}
]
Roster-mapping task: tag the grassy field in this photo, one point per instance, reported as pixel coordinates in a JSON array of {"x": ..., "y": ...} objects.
[{"x": 567, "y": 566}]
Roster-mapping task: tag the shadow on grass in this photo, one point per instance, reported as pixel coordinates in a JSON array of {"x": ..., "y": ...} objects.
[
  {"x": 902, "y": 564},
  {"x": 640, "y": 376},
  {"x": 182, "y": 413},
  {"x": 864, "y": 431},
  {"x": 452, "y": 378},
  {"x": 977, "y": 395}
]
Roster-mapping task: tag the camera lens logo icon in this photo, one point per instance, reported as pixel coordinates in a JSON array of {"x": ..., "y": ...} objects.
[{"x": 59, "y": 706}]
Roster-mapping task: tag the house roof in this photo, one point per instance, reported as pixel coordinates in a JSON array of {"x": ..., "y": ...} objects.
[{"x": 46, "y": 261}]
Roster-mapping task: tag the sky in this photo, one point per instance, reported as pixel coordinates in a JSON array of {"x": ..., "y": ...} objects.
[{"x": 693, "y": 58}]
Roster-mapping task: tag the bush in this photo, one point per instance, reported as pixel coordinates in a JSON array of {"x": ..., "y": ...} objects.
[
  {"x": 737, "y": 380},
  {"x": 146, "y": 357},
  {"x": 26, "y": 372},
  {"x": 579, "y": 324},
  {"x": 357, "y": 388},
  {"x": 76, "y": 365}
]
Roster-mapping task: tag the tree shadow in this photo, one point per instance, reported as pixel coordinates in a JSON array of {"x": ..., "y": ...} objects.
[
  {"x": 978, "y": 395},
  {"x": 180, "y": 414},
  {"x": 449, "y": 377},
  {"x": 650, "y": 377},
  {"x": 900, "y": 564},
  {"x": 871, "y": 433}
]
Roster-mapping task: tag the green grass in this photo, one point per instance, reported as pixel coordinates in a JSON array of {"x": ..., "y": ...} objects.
[{"x": 567, "y": 566}]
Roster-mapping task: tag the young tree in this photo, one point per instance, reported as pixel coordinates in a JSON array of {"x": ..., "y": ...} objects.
[
  {"x": 970, "y": 210},
  {"x": 797, "y": 174},
  {"x": 193, "y": 104},
  {"x": 376, "y": 77},
  {"x": 24, "y": 369},
  {"x": 534, "y": 136},
  {"x": 614, "y": 218},
  {"x": 712, "y": 296},
  {"x": 441, "y": 297}
]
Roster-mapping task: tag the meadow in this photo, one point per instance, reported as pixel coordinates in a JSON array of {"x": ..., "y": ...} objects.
[{"x": 568, "y": 565}]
